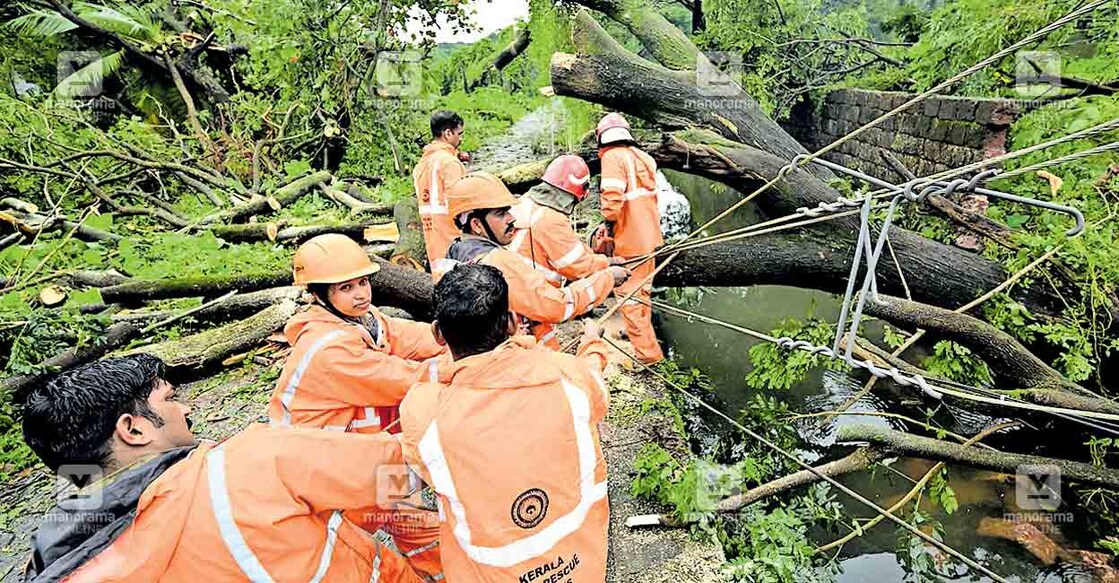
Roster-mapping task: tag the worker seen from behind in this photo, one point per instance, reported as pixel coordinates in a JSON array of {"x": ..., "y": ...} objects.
[
  {"x": 439, "y": 167},
  {"x": 629, "y": 207},
  {"x": 510, "y": 442},
  {"x": 349, "y": 368},
  {"x": 481, "y": 205},
  {"x": 544, "y": 232},
  {"x": 155, "y": 505}
]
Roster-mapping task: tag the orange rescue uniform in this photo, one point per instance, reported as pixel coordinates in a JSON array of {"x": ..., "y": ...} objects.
[
  {"x": 438, "y": 168},
  {"x": 547, "y": 241},
  {"x": 511, "y": 446},
  {"x": 629, "y": 201},
  {"x": 265, "y": 505},
  {"x": 339, "y": 377},
  {"x": 530, "y": 295}
]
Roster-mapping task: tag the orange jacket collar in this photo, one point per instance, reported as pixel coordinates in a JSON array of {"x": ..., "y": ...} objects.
[
  {"x": 440, "y": 145},
  {"x": 504, "y": 367}
]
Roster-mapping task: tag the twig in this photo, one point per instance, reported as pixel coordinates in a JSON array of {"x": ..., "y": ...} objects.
[{"x": 188, "y": 312}]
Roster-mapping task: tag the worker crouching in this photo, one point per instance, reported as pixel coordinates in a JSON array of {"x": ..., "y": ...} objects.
[
  {"x": 510, "y": 442},
  {"x": 481, "y": 205},
  {"x": 349, "y": 368},
  {"x": 544, "y": 234}
]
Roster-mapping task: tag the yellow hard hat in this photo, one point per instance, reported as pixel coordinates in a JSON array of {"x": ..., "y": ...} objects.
[
  {"x": 476, "y": 191},
  {"x": 331, "y": 258}
]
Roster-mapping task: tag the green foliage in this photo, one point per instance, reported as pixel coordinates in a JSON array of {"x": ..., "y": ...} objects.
[
  {"x": 773, "y": 545},
  {"x": 14, "y": 453},
  {"x": 173, "y": 254},
  {"x": 964, "y": 32},
  {"x": 778, "y": 369},
  {"x": 1100, "y": 448},
  {"x": 913, "y": 552},
  {"x": 941, "y": 493},
  {"x": 956, "y": 362}
]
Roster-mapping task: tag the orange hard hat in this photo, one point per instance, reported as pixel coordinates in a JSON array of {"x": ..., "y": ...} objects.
[
  {"x": 612, "y": 128},
  {"x": 477, "y": 191},
  {"x": 331, "y": 258},
  {"x": 569, "y": 173}
]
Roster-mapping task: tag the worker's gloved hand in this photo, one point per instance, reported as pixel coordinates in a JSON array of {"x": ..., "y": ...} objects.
[
  {"x": 602, "y": 240},
  {"x": 619, "y": 273},
  {"x": 618, "y": 261},
  {"x": 464, "y": 156}
]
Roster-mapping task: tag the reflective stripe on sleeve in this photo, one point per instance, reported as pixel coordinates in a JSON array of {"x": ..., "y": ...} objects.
[
  {"x": 423, "y": 549},
  {"x": 638, "y": 193},
  {"x": 433, "y": 370},
  {"x": 328, "y": 550},
  {"x": 613, "y": 184},
  {"x": 223, "y": 513},
  {"x": 571, "y": 256},
  {"x": 569, "y": 307},
  {"x": 300, "y": 369}
]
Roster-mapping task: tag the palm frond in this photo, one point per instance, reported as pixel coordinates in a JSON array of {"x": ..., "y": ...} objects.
[
  {"x": 79, "y": 83},
  {"x": 45, "y": 23},
  {"x": 129, "y": 21}
]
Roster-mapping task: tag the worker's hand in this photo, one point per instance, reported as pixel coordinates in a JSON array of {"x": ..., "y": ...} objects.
[
  {"x": 602, "y": 240},
  {"x": 618, "y": 261},
  {"x": 464, "y": 156},
  {"x": 619, "y": 273},
  {"x": 592, "y": 330}
]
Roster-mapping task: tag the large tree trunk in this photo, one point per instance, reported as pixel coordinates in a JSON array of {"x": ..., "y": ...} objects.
[
  {"x": 616, "y": 78},
  {"x": 903, "y": 443}
]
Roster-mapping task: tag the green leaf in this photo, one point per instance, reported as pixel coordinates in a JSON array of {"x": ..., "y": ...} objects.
[
  {"x": 85, "y": 297},
  {"x": 103, "y": 221},
  {"x": 296, "y": 168},
  {"x": 1016, "y": 221}
]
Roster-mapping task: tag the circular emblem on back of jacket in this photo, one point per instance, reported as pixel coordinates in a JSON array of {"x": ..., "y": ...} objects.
[{"x": 529, "y": 508}]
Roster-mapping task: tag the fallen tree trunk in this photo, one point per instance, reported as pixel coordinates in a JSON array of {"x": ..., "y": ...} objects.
[
  {"x": 410, "y": 246},
  {"x": 161, "y": 289},
  {"x": 618, "y": 79},
  {"x": 1012, "y": 364},
  {"x": 212, "y": 346},
  {"x": 355, "y": 205},
  {"x": 902, "y": 443},
  {"x": 233, "y": 308},
  {"x": 283, "y": 196},
  {"x": 503, "y": 58},
  {"x": 261, "y": 232}
]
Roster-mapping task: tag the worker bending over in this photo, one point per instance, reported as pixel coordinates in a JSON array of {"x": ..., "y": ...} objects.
[
  {"x": 510, "y": 443},
  {"x": 480, "y": 204},
  {"x": 349, "y": 368},
  {"x": 544, "y": 234},
  {"x": 264, "y": 505},
  {"x": 439, "y": 167},
  {"x": 629, "y": 207}
]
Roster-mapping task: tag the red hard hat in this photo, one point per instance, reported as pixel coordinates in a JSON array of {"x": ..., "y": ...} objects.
[
  {"x": 569, "y": 173},
  {"x": 612, "y": 128}
]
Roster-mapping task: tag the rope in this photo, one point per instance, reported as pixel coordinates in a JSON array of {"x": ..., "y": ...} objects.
[
  {"x": 1113, "y": 146},
  {"x": 832, "y": 481}
]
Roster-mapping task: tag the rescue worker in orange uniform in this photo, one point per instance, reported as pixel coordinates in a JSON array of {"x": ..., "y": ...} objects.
[
  {"x": 439, "y": 167},
  {"x": 264, "y": 505},
  {"x": 349, "y": 368},
  {"x": 629, "y": 207},
  {"x": 544, "y": 233},
  {"x": 510, "y": 442},
  {"x": 481, "y": 204}
]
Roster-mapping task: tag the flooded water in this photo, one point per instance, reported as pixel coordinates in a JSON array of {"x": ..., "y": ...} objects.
[{"x": 984, "y": 498}]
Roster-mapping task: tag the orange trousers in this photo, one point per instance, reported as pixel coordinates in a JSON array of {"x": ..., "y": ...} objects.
[{"x": 637, "y": 314}]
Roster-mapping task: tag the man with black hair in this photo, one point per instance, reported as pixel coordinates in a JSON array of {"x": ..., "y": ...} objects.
[
  {"x": 155, "y": 505},
  {"x": 480, "y": 204},
  {"x": 439, "y": 167},
  {"x": 509, "y": 442}
]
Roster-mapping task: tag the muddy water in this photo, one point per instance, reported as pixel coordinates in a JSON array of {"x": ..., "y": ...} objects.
[{"x": 722, "y": 355}]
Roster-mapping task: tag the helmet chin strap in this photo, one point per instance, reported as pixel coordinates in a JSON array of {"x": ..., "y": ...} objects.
[{"x": 481, "y": 216}]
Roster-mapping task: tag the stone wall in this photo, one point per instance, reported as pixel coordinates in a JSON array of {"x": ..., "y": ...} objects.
[{"x": 940, "y": 133}]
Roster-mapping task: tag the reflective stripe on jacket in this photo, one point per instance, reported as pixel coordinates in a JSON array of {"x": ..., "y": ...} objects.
[
  {"x": 511, "y": 446},
  {"x": 546, "y": 240},
  {"x": 338, "y": 377},
  {"x": 438, "y": 168},
  {"x": 265, "y": 505},
  {"x": 530, "y": 295},
  {"x": 629, "y": 200}
]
